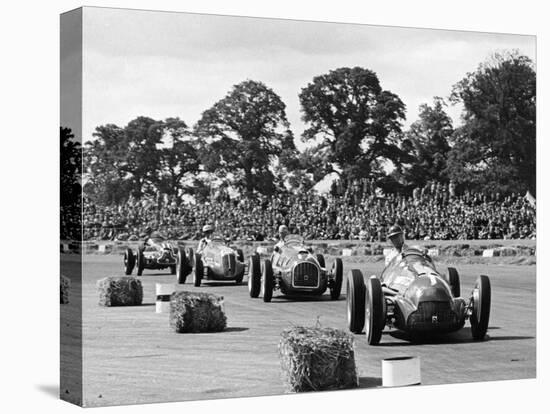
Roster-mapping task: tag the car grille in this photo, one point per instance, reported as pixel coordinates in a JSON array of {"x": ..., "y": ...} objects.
[
  {"x": 432, "y": 316},
  {"x": 306, "y": 274},
  {"x": 228, "y": 261}
]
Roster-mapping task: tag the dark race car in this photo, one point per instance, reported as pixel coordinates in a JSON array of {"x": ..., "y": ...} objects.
[
  {"x": 217, "y": 262},
  {"x": 294, "y": 270},
  {"x": 155, "y": 254},
  {"x": 412, "y": 296}
]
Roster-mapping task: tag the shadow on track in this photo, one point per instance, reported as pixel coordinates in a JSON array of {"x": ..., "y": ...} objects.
[
  {"x": 235, "y": 329},
  {"x": 293, "y": 298},
  {"x": 462, "y": 336},
  {"x": 370, "y": 382}
]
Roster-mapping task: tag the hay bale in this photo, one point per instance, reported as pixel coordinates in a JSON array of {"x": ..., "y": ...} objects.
[
  {"x": 197, "y": 312},
  {"x": 508, "y": 251},
  {"x": 65, "y": 286},
  {"x": 120, "y": 291},
  {"x": 314, "y": 359}
]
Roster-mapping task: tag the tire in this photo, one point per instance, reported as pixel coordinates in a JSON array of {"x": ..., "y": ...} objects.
[
  {"x": 267, "y": 281},
  {"x": 182, "y": 267},
  {"x": 254, "y": 276},
  {"x": 140, "y": 262},
  {"x": 454, "y": 281},
  {"x": 129, "y": 261},
  {"x": 321, "y": 260},
  {"x": 374, "y": 311},
  {"x": 190, "y": 257},
  {"x": 481, "y": 308},
  {"x": 199, "y": 270},
  {"x": 240, "y": 255},
  {"x": 355, "y": 296},
  {"x": 239, "y": 278},
  {"x": 338, "y": 273},
  {"x": 173, "y": 269}
]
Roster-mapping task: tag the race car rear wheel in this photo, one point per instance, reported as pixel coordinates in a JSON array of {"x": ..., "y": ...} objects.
[
  {"x": 337, "y": 274},
  {"x": 254, "y": 275},
  {"x": 481, "y": 307},
  {"x": 374, "y": 311},
  {"x": 190, "y": 257},
  {"x": 173, "y": 269},
  {"x": 321, "y": 260},
  {"x": 129, "y": 261},
  {"x": 183, "y": 268},
  {"x": 267, "y": 281},
  {"x": 140, "y": 262},
  {"x": 239, "y": 278},
  {"x": 199, "y": 270},
  {"x": 454, "y": 281},
  {"x": 355, "y": 296},
  {"x": 240, "y": 255}
]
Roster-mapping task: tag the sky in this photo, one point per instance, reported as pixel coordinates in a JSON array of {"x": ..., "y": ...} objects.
[{"x": 162, "y": 64}]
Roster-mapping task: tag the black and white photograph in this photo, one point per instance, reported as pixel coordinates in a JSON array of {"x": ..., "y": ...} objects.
[
  {"x": 268, "y": 206},
  {"x": 294, "y": 206}
]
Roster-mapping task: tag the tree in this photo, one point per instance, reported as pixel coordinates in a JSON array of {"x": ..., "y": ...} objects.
[
  {"x": 358, "y": 123},
  {"x": 178, "y": 160},
  {"x": 71, "y": 190},
  {"x": 143, "y": 136},
  {"x": 243, "y": 133},
  {"x": 428, "y": 144},
  {"x": 146, "y": 156},
  {"x": 495, "y": 149},
  {"x": 105, "y": 162}
]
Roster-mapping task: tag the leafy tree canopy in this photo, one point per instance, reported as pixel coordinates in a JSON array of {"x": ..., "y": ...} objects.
[
  {"x": 495, "y": 149},
  {"x": 427, "y": 141},
  {"x": 243, "y": 133},
  {"x": 357, "y": 123}
]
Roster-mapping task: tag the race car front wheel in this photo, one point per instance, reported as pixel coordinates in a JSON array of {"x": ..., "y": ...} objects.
[
  {"x": 337, "y": 274},
  {"x": 355, "y": 296},
  {"x": 321, "y": 260},
  {"x": 454, "y": 281},
  {"x": 140, "y": 262},
  {"x": 254, "y": 276},
  {"x": 182, "y": 266},
  {"x": 481, "y": 307},
  {"x": 267, "y": 281},
  {"x": 199, "y": 270},
  {"x": 374, "y": 311},
  {"x": 129, "y": 261}
]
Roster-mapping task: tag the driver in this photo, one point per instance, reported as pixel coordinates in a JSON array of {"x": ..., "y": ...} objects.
[
  {"x": 152, "y": 237},
  {"x": 283, "y": 232},
  {"x": 207, "y": 231},
  {"x": 397, "y": 238}
]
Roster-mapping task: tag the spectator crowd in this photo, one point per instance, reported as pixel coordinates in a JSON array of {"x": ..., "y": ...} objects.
[{"x": 356, "y": 211}]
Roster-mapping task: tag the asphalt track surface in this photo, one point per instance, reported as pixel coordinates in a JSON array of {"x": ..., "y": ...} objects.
[{"x": 130, "y": 355}]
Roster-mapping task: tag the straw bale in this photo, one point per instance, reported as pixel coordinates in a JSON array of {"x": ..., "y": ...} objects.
[
  {"x": 197, "y": 312},
  {"x": 120, "y": 291},
  {"x": 315, "y": 359}
]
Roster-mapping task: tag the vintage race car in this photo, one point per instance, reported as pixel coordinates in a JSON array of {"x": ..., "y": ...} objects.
[
  {"x": 217, "y": 261},
  {"x": 155, "y": 253},
  {"x": 412, "y": 296},
  {"x": 294, "y": 270}
]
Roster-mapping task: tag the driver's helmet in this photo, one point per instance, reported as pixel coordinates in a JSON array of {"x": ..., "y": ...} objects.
[
  {"x": 148, "y": 230},
  {"x": 207, "y": 228},
  {"x": 395, "y": 230}
]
